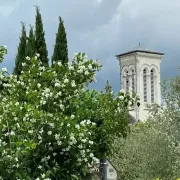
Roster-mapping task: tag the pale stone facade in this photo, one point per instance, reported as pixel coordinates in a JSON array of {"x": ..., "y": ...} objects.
[{"x": 140, "y": 70}]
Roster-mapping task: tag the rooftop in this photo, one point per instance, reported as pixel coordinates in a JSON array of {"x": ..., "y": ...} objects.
[{"x": 139, "y": 48}]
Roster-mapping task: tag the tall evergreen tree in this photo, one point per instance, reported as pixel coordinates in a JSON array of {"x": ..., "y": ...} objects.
[
  {"x": 61, "y": 48},
  {"x": 108, "y": 87},
  {"x": 40, "y": 44},
  {"x": 20, "y": 56},
  {"x": 30, "y": 47}
]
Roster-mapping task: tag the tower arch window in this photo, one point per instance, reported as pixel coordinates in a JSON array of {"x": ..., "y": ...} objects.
[
  {"x": 133, "y": 80},
  {"x": 145, "y": 84},
  {"x": 127, "y": 80},
  {"x": 152, "y": 73}
]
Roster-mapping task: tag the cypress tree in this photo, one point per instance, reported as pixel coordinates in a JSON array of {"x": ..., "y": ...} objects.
[
  {"x": 60, "y": 48},
  {"x": 108, "y": 87},
  {"x": 20, "y": 56},
  {"x": 30, "y": 47},
  {"x": 40, "y": 44}
]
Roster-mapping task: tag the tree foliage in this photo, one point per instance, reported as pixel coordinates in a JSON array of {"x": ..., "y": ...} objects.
[
  {"x": 30, "y": 47},
  {"x": 40, "y": 44},
  {"x": 20, "y": 56},
  {"x": 50, "y": 127},
  {"x": 61, "y": 47},
  {"x": 152, "y": 149}
]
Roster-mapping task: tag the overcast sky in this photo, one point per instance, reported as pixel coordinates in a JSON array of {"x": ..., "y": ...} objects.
[{"x": 101, "y": 29}]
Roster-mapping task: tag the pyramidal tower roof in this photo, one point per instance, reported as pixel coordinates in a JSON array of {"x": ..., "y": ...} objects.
[{"x": 139, "y": 48}]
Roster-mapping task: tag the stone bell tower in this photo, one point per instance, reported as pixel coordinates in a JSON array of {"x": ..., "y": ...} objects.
[{"x": 140, "y": 71}]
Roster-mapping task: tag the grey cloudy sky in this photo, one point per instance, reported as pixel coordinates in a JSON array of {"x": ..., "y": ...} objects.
[{"x": 101, "y": 29}]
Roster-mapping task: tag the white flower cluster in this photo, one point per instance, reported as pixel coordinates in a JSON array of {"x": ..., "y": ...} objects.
[
  {"x": 39, "y": 111},
  {"x": 130, "y": 97}
]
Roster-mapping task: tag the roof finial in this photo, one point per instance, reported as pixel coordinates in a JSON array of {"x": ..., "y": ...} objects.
[{"x": 139, "y": 44}]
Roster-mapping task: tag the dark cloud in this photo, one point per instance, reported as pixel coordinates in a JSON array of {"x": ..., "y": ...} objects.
[{"x": 102, "y": 30}]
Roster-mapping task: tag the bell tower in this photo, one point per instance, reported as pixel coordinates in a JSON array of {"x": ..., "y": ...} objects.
[{"x": 140, "y": 72}]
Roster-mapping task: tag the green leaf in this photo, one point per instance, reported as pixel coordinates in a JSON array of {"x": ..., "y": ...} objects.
[{"x": 19, "y": 143}]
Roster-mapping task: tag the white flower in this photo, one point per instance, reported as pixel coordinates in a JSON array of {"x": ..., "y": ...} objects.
[
  {"x": 1, "y": 76},
  {"x": 28, "y": 58},
  {"x": 93, "y": 123},
  {"x": 85, "y": 159},
  {"x": 80, "y": 71},
  {"x": 72, "y": 116},
  {"x": 61, "y": 106},
  {"x": 84, "y": 140},
  {"x": 51, "y": 124},
  {"x": 59, "y": 63},
  {"x": 43, "y": 175},
  {"x": 23, "y": 64},
  {"x": 18, "y": 125},
  {"x": 30, "y": 131},
  {"x": 15, "y": 118},
  {"x": 82, "y": 123},
  {"x": 80, "y": 146},
  {"x": 75, "y": 56},
  {"x": 66, "y": 80},
  {"x": 88, "y": 121},
  {"x": 17, "y": 104},
  {"x": 4, "y": 69},
  {"x": 73, "y": 84},
  {"x": 49, "y": 132},
  {"x": 54, "y": 154},
  {"x": 71, "y": 67},
  {"x": 90, "y": 67},
  {"x": 91, "y": 142},
  {"x": 42, "y": 68},
  {"x": 96, "y": 160},
  {"x": 77, "y": 126},
  {"x": 82, "y": 67},
  {"x": 39, "y": 167},
  {"x": 38, "y": 55},
  {"x": 59, "y": 93},
  {"x": 86, "y": 73},
  {"x": 121, "y": 97},
  {"x": 38, "y": 85},
  {"x": 59, "y": 143},
  {"x": 91, "y": 155},
  {"x": 47, "y": 90},
  {"x": 12, "y": 133},
  {"x": 44, "y": 102},
  {"x": 57, "y": 84}
]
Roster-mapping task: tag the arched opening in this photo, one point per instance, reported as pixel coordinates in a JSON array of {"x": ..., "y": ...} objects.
[
  {"x": 127, "y": 80},
  {"x": 152, "y": 73},
  {"x": 133, "y": 80},
  {"x": 145, "y": 84}
]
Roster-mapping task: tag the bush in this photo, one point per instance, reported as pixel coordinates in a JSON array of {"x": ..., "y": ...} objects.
[
  {"x": 152, "y": 149},
  {"x": 51, "y": 128}
]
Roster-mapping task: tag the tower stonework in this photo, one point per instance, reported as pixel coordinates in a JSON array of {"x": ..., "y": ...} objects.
[{"x": 140, "y": 72}]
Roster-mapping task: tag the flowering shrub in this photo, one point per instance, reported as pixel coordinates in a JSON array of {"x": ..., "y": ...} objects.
[{"x": 50, "y": 127}]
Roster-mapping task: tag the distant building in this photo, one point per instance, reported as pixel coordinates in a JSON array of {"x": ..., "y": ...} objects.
[{"x": 140, "y": 71}]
